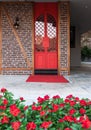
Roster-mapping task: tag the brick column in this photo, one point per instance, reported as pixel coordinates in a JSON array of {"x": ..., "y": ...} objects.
[{"x": 64, "y": 38}]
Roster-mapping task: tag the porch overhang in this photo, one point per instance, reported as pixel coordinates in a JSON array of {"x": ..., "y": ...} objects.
[{"x": 80, "y": 12}]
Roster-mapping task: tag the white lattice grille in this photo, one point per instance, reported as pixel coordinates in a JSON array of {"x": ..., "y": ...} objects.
[
  {"x": 39, "y": 26},
  {"x": 51, "y": 26},
  {"x": 39, "y": 33},
  {"x": 51, "y": 32}
]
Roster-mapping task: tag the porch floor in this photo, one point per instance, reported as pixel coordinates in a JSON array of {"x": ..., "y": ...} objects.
[{"x": 79, "y": 85}]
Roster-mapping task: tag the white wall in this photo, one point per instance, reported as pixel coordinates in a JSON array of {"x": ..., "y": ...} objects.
[{"x": 75, "y": 52}]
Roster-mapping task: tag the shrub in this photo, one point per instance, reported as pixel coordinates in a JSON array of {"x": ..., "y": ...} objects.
[
  {"x": 85, "y": 53},
  {"x": 48, "y": 113}
]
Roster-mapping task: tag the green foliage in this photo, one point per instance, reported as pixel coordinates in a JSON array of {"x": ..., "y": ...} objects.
[
  {"x": 48, "y": 113},
  {"x": 85, "y": 52}
]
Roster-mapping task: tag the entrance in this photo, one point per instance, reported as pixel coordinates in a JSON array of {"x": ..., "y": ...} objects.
[{"x": 45, "y": 53}]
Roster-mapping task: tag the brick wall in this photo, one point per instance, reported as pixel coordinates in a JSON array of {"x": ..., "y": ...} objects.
[
  {"x": 64, "y": 37},
  {"x": 11, "y": 52},
  {"x": 12, "y": 57}
]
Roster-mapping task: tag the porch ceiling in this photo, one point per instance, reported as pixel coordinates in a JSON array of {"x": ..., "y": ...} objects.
[{"x": 80, "y": 12}]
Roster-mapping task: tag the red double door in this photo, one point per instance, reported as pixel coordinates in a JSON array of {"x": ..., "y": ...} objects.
[{"x": 46, "y": 44}]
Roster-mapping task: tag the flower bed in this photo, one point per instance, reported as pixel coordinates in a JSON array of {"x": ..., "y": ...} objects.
[{"x": 53, "y": 113}]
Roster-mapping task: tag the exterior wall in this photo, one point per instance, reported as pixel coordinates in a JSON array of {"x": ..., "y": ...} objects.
[
  {"x": 76, "y": 52},
  {"x": 64, "y": 38},
  {"x": 12, "y": 56},
  {"x": 17, "y": 45}
]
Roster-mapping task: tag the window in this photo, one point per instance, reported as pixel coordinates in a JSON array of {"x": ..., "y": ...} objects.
[{"x": 72, "y": 36}]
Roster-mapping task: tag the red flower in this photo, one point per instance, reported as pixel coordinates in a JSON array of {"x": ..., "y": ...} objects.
[
  {"x": 2, "y": 107},
  {"x": 56, "y": 97},
  {"x": 5, "y": 101},
  {"x": 46, "y": 124},
  {"x": 67, "y": 100},
  {"x": 46, "y": 97},
  {"x": 21, "y": 98},
  {"x": 82, "y": 111},
  {"x": 61, "y": 120},
  {"x": 77, "y": 99},
  {"x": 83, "y": 102},
  {"x": 75, "y": 120},
  {"x": 42, "y": 113},
  {"x": 72, "y": 103},
  {"x": 86, "y": 124},
  {"x": 31, "y": 126},
  {"x": 39, "y": 108},
  {"x": 40, "y": 100},
  {"x": 70, "y": 96},
  {"x": 55, "y": 107},
  {"x": 3, "y": 90},
  {"x": 68, "y": 118},
  {"x": 72, "y": 111},
  {"x": 34, "y": 108},
  {"x": 89, "y": 103},
  {"x": 16, "y": 125},
  {"x": 14, "y": 110},
  {"x": 26, "y": 107},
  {"x": 81, "y": 118},
  {"x": 62, "y": 105},
  {"x": 4, "y": 120}
]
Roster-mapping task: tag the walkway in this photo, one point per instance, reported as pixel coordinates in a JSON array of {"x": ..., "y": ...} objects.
[{"x": 79, "y": 85}]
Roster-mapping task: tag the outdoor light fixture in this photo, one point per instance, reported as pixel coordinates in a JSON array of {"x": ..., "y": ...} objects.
[{"x": 16, "y": 24}]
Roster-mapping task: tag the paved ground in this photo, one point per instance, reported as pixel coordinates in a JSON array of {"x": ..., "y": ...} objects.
[{"x": 79, "y": 85}]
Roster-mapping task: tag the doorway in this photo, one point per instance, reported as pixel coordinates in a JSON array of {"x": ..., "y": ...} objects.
[{"x": 46, "y": 38}]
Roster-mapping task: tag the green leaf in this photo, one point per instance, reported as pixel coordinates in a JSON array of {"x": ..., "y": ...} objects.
[
  {"x": 52, "y": 128},
  {"x": 76, "y": 127}
]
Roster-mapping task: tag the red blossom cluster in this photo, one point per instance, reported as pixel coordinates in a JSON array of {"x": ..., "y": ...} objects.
[
  {"x": 46, "y": 124},
  {"x": 49, "y": 113},
  {"x": 31, "y": 126},
  {"x": 16, "y": 125},
  {"x": 14, "y": 110}
]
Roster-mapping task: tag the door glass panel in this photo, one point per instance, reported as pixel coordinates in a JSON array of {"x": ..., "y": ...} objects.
[
  {"x": 39, "y": 33},
  {"x": 51, "y": 32}
]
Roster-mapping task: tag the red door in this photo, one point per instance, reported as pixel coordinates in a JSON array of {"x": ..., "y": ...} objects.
[{"x": 46, "y": 36}]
